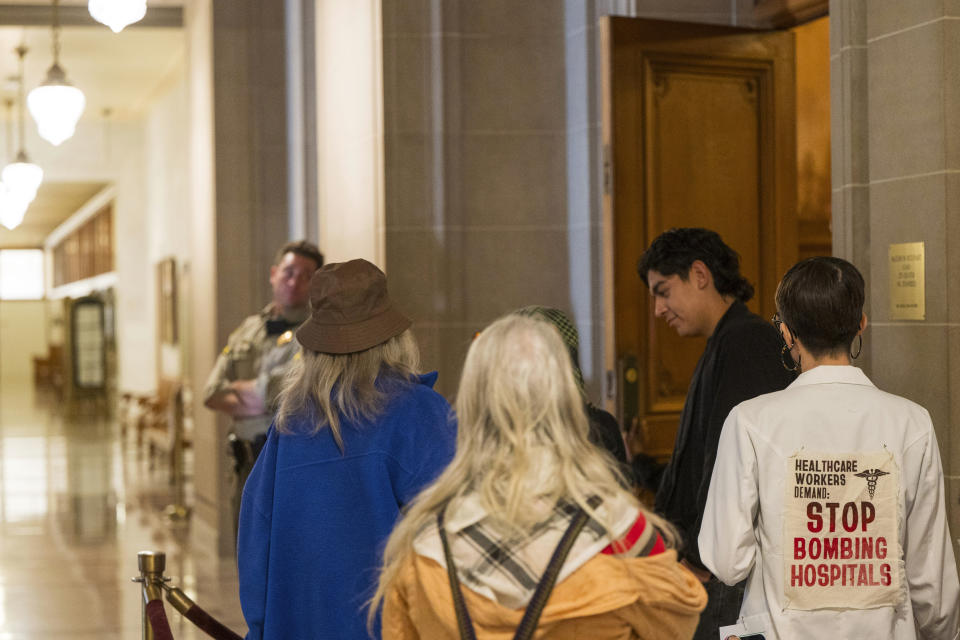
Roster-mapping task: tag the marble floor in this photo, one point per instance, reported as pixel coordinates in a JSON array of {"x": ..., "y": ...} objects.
[{"x": 77, "y": 502}]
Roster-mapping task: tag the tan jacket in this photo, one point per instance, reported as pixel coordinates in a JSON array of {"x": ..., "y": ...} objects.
[{"x": 650, "y": 598}]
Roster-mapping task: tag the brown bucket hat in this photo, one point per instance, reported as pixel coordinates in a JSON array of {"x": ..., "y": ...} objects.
[{"x": 350, "y": 310}]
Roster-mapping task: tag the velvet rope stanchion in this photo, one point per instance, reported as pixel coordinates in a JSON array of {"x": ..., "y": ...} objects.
[
  {"x": 151, "y": 565},
  {"x": 155, "y": 623},
  {"x": 204, "y": 621},
  {"x": 158, "y": 620}
]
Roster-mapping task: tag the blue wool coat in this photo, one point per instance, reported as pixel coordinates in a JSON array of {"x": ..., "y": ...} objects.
[{"x": 314, "y": 520}]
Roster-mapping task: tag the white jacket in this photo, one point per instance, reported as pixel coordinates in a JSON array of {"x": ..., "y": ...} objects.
[{"x": 827, "y": 458}]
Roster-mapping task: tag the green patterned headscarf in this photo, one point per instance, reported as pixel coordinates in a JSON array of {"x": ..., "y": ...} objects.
[{"x": 567, "y": 331}]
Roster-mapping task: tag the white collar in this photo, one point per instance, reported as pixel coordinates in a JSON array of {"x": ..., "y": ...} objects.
[{"x": 826, "y": 374}]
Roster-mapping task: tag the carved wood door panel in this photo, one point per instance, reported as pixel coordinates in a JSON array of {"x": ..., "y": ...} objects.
[{"x": 698, "y": 131}]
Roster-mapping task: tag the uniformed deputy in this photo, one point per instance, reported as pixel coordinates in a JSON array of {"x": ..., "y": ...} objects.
[{"x": 248, "y": 373}]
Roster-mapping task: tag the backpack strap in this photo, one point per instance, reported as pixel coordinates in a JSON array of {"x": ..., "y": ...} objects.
[
  {"x": 464, "y": 623},
  {"x": 531, "y": 617}
]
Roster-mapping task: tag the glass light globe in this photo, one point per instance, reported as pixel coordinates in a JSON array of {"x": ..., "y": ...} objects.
[
  {"x": 22, "y": 178},
  {"x": 12, "y": 208},
  {"x": 56, "y": 105},
  {"x": 117, "y": 14},
  {"x": 11, "y": 219}
]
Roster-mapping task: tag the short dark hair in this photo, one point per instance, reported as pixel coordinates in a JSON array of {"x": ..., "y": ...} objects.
[
  {"x": 673, "y": 252},
  {"x": 300, "y": 248},
  {"x": 821, "y": 302}
]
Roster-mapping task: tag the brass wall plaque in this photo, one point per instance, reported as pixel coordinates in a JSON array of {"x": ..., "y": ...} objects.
[{"x": 907, "y": 297}]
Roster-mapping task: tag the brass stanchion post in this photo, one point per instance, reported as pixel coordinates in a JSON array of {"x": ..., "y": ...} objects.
[
  {"x": 177, "y": 512},
  {"x": 151, "y": 565}
]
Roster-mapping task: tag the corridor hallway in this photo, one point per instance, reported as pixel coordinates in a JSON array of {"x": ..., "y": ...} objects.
[{"x": 77, "y": 502}]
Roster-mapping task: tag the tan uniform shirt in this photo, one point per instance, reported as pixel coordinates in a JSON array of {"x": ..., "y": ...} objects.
[{"x": 251, "y": 354}]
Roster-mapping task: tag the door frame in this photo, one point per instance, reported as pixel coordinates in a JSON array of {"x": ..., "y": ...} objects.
[{"x": 781, "y": 201}]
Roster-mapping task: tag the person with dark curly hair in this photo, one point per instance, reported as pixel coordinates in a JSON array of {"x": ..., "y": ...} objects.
[{"x": 695, "y": 281}]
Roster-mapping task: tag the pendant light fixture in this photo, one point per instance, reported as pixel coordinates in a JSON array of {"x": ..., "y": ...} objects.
[
  {"x": 12, "y": 207},
  {"x": 56, "y": 105},
  {"x": 117, "y": 14},
  {"x": 22, "y": 177}
]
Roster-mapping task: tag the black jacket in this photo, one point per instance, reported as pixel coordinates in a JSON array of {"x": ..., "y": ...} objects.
[{"x": 741, "y": 361}]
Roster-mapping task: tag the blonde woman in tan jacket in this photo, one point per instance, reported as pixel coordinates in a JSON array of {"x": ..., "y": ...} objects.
[{"x": 530, "y": 530}]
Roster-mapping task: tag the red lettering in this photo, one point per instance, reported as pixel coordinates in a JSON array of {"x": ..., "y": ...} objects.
[
  {"x": 850, "y": 516},
  {"x": 869, "y": 514},
  {"x": 881, "y": 546},
  {"x": 846, "y": 548},
  {"x": 796, "y": 575},
  {"x": 823, "y": 571},
  {"x": 798, "y": 552},
  {"x": 885, "y": 578},
  {"x": 832, "y": 506},
  {"x": 830, "y": 549},
  {"x": 814, "y": 509},
  {"x": 866, "y": 548},
  {"x": 809, "y": 575},
  {"x": 862, "y": 576},
  {"x": 814, "y": 547},
  {"x": 834, "y": 574}
]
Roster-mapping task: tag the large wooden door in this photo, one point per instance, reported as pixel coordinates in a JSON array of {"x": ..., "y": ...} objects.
[{"x": 698, "y": 131}]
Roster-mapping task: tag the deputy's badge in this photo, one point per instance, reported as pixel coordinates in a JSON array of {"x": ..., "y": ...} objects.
[
  {"x": 226, "y": 350},
  {"x": 284, "y": 338}
]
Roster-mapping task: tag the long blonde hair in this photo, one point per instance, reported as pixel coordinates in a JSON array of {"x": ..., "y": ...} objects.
[
  {"x": 522, "y": 440},
  {"x": 351, "y": 385}
]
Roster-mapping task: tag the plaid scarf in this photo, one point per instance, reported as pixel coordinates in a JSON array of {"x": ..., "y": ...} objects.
[{"x": 506, "y": 567}]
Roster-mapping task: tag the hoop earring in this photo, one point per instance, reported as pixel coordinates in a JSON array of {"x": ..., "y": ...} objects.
[
  {"x": 783, "y": 360},
  {"x": 854, "y": 356}
]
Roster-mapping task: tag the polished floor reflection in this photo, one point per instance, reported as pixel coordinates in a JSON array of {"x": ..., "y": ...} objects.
[{"x": 77, "y": 502}]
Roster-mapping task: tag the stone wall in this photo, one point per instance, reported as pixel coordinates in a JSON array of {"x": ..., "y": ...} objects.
[{"x": 896, "y": 157}]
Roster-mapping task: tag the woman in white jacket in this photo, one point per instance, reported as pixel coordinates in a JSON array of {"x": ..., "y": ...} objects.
[{"x": 828, "y": 496}]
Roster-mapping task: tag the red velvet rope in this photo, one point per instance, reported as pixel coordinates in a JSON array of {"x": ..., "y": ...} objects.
[
  {"x": 158, "y": 620},
  {"x": 209, "y": 625}
]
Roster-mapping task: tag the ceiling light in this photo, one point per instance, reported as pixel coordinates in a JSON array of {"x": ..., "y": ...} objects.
[
  {"x": 56, "y": 105},
  {"x": 12, "y": 208},
  {"x": 22, "y": 177},
  {"x": 117, "y": 14}
]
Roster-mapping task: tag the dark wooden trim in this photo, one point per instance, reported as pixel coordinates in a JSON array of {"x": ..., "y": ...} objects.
[
  {"x": 779, "y": 14},
  {"x": 41, "y": 15}
]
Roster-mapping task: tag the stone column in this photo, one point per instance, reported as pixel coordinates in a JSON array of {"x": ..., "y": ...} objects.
[
  {"x": 475, "y": 121},
  {"x": 896, "y": 123},
  {"x": 239, "y": 198},
  {"x": 349, "y": 117}
]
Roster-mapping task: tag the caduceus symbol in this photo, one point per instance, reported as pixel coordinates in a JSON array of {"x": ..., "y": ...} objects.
[{"x": 871, "y": 475}]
